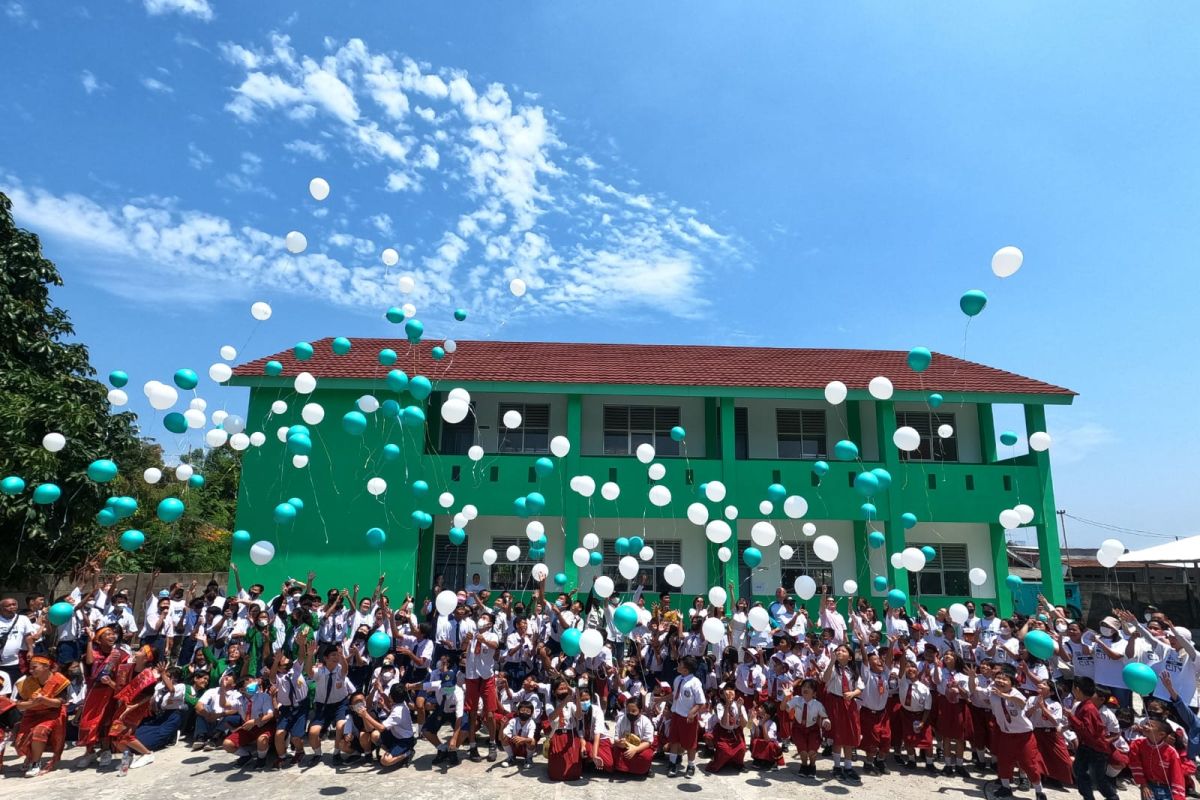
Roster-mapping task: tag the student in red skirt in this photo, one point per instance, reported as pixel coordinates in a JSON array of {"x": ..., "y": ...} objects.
[
  {"x": 979, "y": 685},
  {"x": 952, "y": 713},
  {"x": 873, "y": 717},
  {"x": 1046, "y": 715},
  {"x": 729, "y": 733},
  {"x": 1012, "y": 738},
  {"x": 751, "y": 678},
  {"x": 842, "y": 687},
  {"x": 688, "y": 701},
  {"x": 254, "y": 736},
  {"x": 810, "y": 721},
  {"x": 765, "y": 749},
  {"x": 591, "y": 726},
  {"x": 562, "y": 756},
  {"x": 779, "y": 691},
  {"x": 916, "y": 707},
  {"x": 633, "y": 748}
]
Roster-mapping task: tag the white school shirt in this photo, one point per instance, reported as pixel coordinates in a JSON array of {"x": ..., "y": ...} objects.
[
  {"x": 450, "y": 699},
  {"x": 692, "y": 644},
  {"x": 739, "y": 716},
  {"x": 1083, "y": 663},
  {"x": 1182, "y": 669},
  {"x": 332, "y": 627},
  {"x": 291, "y": 687},
  {"x": 384, "y": 678},
  {"x": 521, "y": 647},
  {"x": 874, "y": 695},
  {"x": 1010, "y": 714},
  {"x": 750, "y": 678},
  {"x": 598, "y": 727},
  {"x": 1038, "y": 719},
  {"x": 399, "y": 722},
  {"x": 570, "y": 714},
  {"x": 835, "y": 622},
  {"x": 806, "y": 712},
  {"x": 535, "y": 697},
  {"x": 640, "y": 727},
  {"x": 332, "y": 686},
  {"x": 894, "y": 626},
  {"x": 17, "y": 627},
  {"x": 481, "y": 659},
  {"x": 981, "y": 697},
  {"x": 777, "y": 685},
  {"x": 687, "y": 693},
  {"x": 169, "y": 701},
  {"x": 835, "y": 686},
  {"x": 256, "y": 705},
  {"x": 76, "y": 693},
  {"x": 915, "y": 696},
  {"x": 516, "y": 727},
  {"x": 1108, "y": 670},
  {"x": 988, "y": 629}
]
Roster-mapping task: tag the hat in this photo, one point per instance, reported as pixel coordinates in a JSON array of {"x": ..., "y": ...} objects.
[
  {"x": 163, "y": 594},
  {"x": 1111, "y": 622},
  {"x": 1183, "y": 633},
  {"x": 752, "y": 651}
]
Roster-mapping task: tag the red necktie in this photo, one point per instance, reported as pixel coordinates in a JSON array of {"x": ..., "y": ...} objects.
[
  {"x": 908, "y": 696},
  {"x": 804, "y": 715},
  {"x": 879, "y": 683},
  {"x": 845, "y": 681}
]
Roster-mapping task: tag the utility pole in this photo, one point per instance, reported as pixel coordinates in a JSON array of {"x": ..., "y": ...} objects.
[{"x": 1062, "y": 527}]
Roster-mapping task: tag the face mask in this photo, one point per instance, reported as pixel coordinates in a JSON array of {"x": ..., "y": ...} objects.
[
  {"x": 251, "y": 688},
  {"x": 1106, "y": 631},
  {"x": 262, "y": 623},
  {"x": 585, "y": 706},
  {"x": 989, "y": 613},
  {"x": 1147, "y": 616},
  {"x": 1061, "y": 627},
  {"x": 525, "y": 717}
]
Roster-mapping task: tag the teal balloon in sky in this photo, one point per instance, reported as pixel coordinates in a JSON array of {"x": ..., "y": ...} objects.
[
  {"x": 596, "y": 558},
  {"x": 132, "y": 540},
  {"x": 107, "y": 516},
  {"x": 866, "y": 484},
  {"x": 908, "y": 519},
  {"x": 678, "y": 433},
  {"x": 296, "y": 503},
  {"x": 919, "y": 359},
  {"x": 412, "y": 417},
  {"x": 175, "y": 422},
  {"x": 621, "y": 546},
  {"x": 395, "y": 315},
  {"x": 625, "y": 618},
  {"x": 560, "y": 579},
  {"x": 102, "y": 470},
  {"x": 936, "y": 400},
  {"x": 387, "y": 356},
  {"x": 457, "y": 536},
  {"x": 303, "y": 351},
  {"x": 1013, "y": 582},
  {"x": 186, "y": 379},
  {"x": 438, "y": 353},
  {"x": 124, "y": 506},
  {"x": 570, "y": 641},
  {"x": 1139, "y": 677},
  {"x": 241, "y": 540},
  {"x": 521, "y": 506},
  {"x": 752, "y": 556},
  {"x": 196, "y": 481},
  {"x": 868, "y": 511},
  {"x": 846, "y": 450},
  {"x": 46, "y": 493},
  {"x": 1040, "y": 645},
  {"x": 420, "y": 488},
  {"x": 390, "y": 408},
  {"x": 341, "y": 346},
  {"x": 972, "y": 302},
  {"x": 391, "y": 452},
  {"x": 414, "y": 329},
  {"x": 376, "y": 538},
  {"x": 272, "y": 369},
  {"x": 285, "y": 513},
  {"x": 379, "y": 644},
  {"x": 543, "y": 466},
  {"x": 299, "y": 444},
  {"x": 636, "y": 543},
  {"x": 1008, "y": 438},
  {"x": 897, "y": 598},
  {"x": 170, "y": 509},
  {"x": 60, "y": 613},
  {"x": 536, "y": 502},
  {"x": 118, "y": 378},
  {"x": 880, "y": 583},
  {"x": 884, "y": 477},
  {"x": 397, "y": 380},
  {"x": 354, "y": 423},
  {"x": 460, "y": 314},
  {"x": 820, "y": 468},
  {"x": 776, "y": 493},
  {"x": 12, "y": 485},
  {"x": 929, "y": 553},
  {"x": 876, "y": 539},
  {"x": 420, "y": 387}
]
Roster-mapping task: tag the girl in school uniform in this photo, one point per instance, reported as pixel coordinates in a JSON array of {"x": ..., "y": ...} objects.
[
  {"x": 590, "y": 729},
  {"x": 952, "y": 713},
  {"x": 1045, "y": 713},
  {"x": 842, "y": 687},
  {"x": 979, "y": 684},
  {"x": 633, "y": 748},
  {"x": 765, "y": 749},
  {"x": 729, "y": 733},
  {"x": 751, "y": 678},
  {"x": 779, "y": 691},
  {"x": 873, "y": 714},
  {"x": 562, "y": 753},
  {"x": 1012, "y": 738},
  {"x": 916, "y": 701},
  {"x": 809, "y": 723}
]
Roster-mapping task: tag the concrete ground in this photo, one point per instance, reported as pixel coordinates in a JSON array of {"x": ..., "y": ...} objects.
[{"x": 181, "y": 774}]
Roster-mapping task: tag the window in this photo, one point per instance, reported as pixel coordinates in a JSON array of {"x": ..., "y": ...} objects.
[
  {"x": 626, "y": 427},
  {"x": 457, "y": 437},
  {"x": 800, "y": 432},
  {"x": 741, "y": 433},
  {"x": 449, "y": 561},
  {"x": 933, "y": 447},
  {"x": 666, "y": 551},
  {"x": 805, "y": 562},
  {"x": 532, "y": 435},
  {"x": 508, "y": 575},
  {"x": 946, "y": 574}
]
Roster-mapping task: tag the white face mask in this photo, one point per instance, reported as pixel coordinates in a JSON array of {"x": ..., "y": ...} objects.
[
  {"x": 1147, "y": 616},
  {"x": 1106, "y": 631},
  {"x": 1061, "y": 627}
]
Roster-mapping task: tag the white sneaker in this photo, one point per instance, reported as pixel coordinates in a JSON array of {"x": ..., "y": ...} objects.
[
  {"x": 86, "y": 760},
  {"x": 34, "y": 770},
  {"x": 106, "y": 759},
  {"x": 142, "y": 761}
]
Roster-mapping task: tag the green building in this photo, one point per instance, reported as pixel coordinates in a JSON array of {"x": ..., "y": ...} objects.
[{"x": 753, "y": 417}]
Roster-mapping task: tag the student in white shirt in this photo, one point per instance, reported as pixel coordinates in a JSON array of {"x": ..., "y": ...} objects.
[
  {"x": 395, "y": 735},
  {"x": 290, "y": 690},
  {"x": 481, "y": 647},
  {"x": 916, "y": 705},
  {"x": 1012, "y": 738},
  {"x": 332, "y": 690},
  {"x": 16, "y": 634},
  {"x": 448, "y": 707},
  {"x": 633, "y": 743},
  {"x": 810, "y": 721},
  {"x": 257, "y": 728},
  {"x": 688, "y": 701},
  {"x": 520, "y": 735}
]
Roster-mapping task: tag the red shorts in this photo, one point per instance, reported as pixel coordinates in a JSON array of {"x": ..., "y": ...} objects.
[
  {"x": 246, "y": 738},
  {"x": 684, "y": 733},
  {"x": 481, "y": 689},
  {"x": 807, "y": 738}
]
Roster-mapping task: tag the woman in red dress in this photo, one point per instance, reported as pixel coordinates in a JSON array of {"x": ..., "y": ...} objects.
[
  {"x": 842, "y": 688},
  {"x": 103, "y": 661},
  {"x": 729, "y": 734},
  {"x": 952, "y": 713},
  {"x": 133, "y": 700},
  {"x": 41, "y": 699}
]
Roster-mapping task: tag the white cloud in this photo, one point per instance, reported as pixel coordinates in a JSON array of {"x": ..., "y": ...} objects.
[
  {"x": 587, "y": 163},
  {"x": 1075, "y": 444},
  {"x": 314, "y": 150},
  {"x": 381, "y": 222},
  {"x": 91, "y": 84},
  {"x": 241, "y": 56},
  {"x": 155, "y": 85},
  {"x": 200, "y": 9},
  {"x": 197, "y": 157}
]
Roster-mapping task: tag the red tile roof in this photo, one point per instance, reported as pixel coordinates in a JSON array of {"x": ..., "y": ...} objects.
[{"x": 658, "y": 365}]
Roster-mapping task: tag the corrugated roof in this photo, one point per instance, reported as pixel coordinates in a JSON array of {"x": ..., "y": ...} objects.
[{"x": 657, "y": 365}]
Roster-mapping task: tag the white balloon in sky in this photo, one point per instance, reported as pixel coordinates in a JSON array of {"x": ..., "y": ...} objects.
[
  {"x": 183, "y": 472},
  {"x": 117, "y": 397},
  {"x": 470, "y": 511},
  {"x": 198, "y": 403},
  {"x": 220, "y": 372},
  {"x": 312, "y": 413},
  {"x": 194, "y": 418},
  {"x": 318, "y": 188},
  {"x": 1006, "y": 261},
  {"x": 835, "y": 392},
  {"x": 714, "y": 491},
  {"x": 219, "y": 416},
  {"x": 261, "y": 311},
  {"x": 1039, "y": 441},
  {"x": 517, "y": 287},
  {"x": 299, "y": 461},
  {"x": 406, "y": 284},
  {"x": 305, "y": 383},
  {"x": 560, "y": 446},
  {"x": 945, "y": 431},
  {"x": 390, "y": 257},
  {"x": 228, "y": 352},
  {"x": 657, "y": 472},
  {"x": 449, "y": 345},
  {"x": 296, "y": 242},
  {"x": 215, "y": 437},
  {"x": 409, "y": 310},
  {"x": 239, "y": 441},
  {"x": 152, "y": 475},
  {"x": 258, "y": 438},
  {"x": 368, "y": 404},
  {"x": 880, "y": 388},
  {"x": 278, "y": 407},
  {"x": 475, "y": 452}
]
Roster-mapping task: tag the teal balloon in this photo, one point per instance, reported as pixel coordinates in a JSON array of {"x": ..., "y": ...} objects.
[
  {"x": 752, "y": 556},
  {"x": 397, "y": 380},
  {"x": 625, "y": 618},
  {"x": 414, "y": 329},
  {"x": 354, "y": 423},
  {"x": 1040, "y": 645},
  {"x": 186, "y": 379},
  {"x": 395, "y": 315},
  {"x": 376, "y": 537},
  {"x": 521, "y": 506},
  {"x": 170, "y": 509},
  {"x": 298, "y": 429},
  {"x": 560, "y": 579},
  {"x": 438, "y": 353},
  {"x": 908, "y": 519},
  {"x": 391, "y": 452},
  {"x": 972, "y": 302},
  {"x": 702, "y": 489},
  {"x": 12, "y": 485},
  {"x": 299, "y": 444},
  {"x": 929, "y": 553},
  {"x": 124, "y": 506},
  {"x": 866, "y": 484},
  {"x": 102, "y": 470},
  {"x": 678, "y": 433},
  {"x": 880, "y": 583},
  {"x": 457, "y": 536},
  {"x": 636, "y": 543},
  {"x": 596, "y": 558},
  {"x": 536, "y": 553},
  {"x": 420, "y": 387},
  {"x": 1008, "y": 438},
  {"x": 107, "y": 516},
  {"x": 285, "y": 513},
  {"x": 460, "y": 314},
  {"x": 868, "y": 511},
  {"x": 341, "y": 346},
  {"x": 412, "y": 417},
  {"x": 1013, "y": 582},
  {"x": 296, "y": 503},
  {"x": 390, "y": 408},
  {"x": 196, "y": 481},
  {"x": 846, "y": 450},
  {"x": 175, "y": 422},
  {"x": 378, "y": 644},
  {"x": 60, "y": 613},
  {"x": 935, "y": 400},
  {"x": 387, "y": 356},
  {"x": 132, "y": 540},
  {"x": 820, "y": 468},
  {"x": 884, "y": 477},
  {"x": 420, "y": 488},
  {"x": 622, "y": 546},
  {"x": 543, "y": 466},
  {"x": 303, "y": 351},
  {"x": 421, "y": 519},
  {"x": 241, "y": 540},
  {"x": 46, "y": 493},
  {"x": 896, "y": 598},
  {"x": 1139, "y": 678},
  {"x": 919, "y": 359},
  {"x": 776, "y": 493},
  {"x": 536, "y": 502},
  {"x": 273, "y": 369},
  {"x": 570, "y": 641},
  {"x": 876, "y": 539},
  {"x": 118, "y": 378}
]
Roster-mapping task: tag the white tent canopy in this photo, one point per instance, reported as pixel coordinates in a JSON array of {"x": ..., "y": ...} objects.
[{"x": 1184, "y": 551}]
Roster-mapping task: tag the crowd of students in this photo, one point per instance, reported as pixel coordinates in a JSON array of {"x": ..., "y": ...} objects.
[{"x": 298, "y": 680}]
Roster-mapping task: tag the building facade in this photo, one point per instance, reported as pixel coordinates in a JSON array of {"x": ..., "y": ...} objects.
[{"x": 753, "y": 417}]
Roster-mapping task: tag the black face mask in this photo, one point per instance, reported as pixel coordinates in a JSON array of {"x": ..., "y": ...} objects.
[{"x": 525, "y": 717}]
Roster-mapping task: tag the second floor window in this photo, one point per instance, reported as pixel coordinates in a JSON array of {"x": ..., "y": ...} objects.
[
  {"x": 945, "y": 574},
  {"x": 800, "y": 432},
  {"x": 933, "y": 447},
  {"x": 626, "y": 427},
  {"x": 666, "y": 551},
  {"x": 532, "y": 435},
  {"x": 457, "y": 437},
  {"x": 512, "y": 576},
  {"x": 805, "y": 562}
]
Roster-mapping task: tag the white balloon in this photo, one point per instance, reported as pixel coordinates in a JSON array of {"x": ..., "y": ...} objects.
[
  {"x": 517, "y": 287},
  {"x": 296, "y": 242},
  {"x": 534, "y": 530},
  {"x": 406, "y": 284},
  {"x": 1006, "y": 261},
  {"x": 304, "y": 383},
  {"x": 239, "y": 441},
  {"x": 718, "y": 531},
  {"x": 539, "y": 572},
  {"x": 758, "y": 618},
  {"x": 580, "y": 557},
  {"x": 697, "y": 513},
  {"x": 450, "y": 345},
  {"x": 977, "y": 577},
  {"x": 591, "y": 541},
  {"x": 148, "y": 387},
  {"x": 409, "y": 310},
  {"x": 445, "y": 499},
  {"x": 656, "y": 472},
  {"x": 906, "y": 438},
  {"x": 766, "y": 507},
  {"x": 714, "y": 491},
  {"x": 219, "y": 416},
  {"x": 835, "y": 392},
  {"x": 809, "y": 528},
  {"x": 1107, "y": 559},
  {"x": 591, "y": 641},
  {"x": 163, "y": 397},
  {"x": 489, "y": 557},
  {"x": 1039, "y": 441},
  {"x": 262, "y": 552},
  {"x": 1025, "y": 513},
  {"x": 368, "y": 404},
  {"x": 660, "y": 495},
  {"x": 512, "y": 553},
  {"x": 717, "y": 596},
  {"x": 512, "y": 419},
  {"x": 376, "y": 486},
  {"x": 152, "y": 475},
  {"x": 897, "y": 561},
  {"x": 603, "y": 587},
  {"x": 724, "y": 554},
  {"x": 117, "y": 397},
  {"x": 1113, "y": 546},
  {"x": 281, "y": 433},
  {"x": 183, "y": 472},
  {"x": 1010, "y": 519},
  {"x": 215, "y": 437},
  {"x": 195, "y": 419},
  {"x": 318, "y": 188},
  {"x": 763, "y": 534},
  {"x": 825, "y": 548},
  {"x": 795, "y": 506},
  {"x": 643, "y": 616},
  {"x": 713, "y": 630},
  {"x": 628, "y": 567},
  {"x": 233, "y": 424},
  {"x": 587, "y": 485},
  {"x": 261, "y": 311},
  {"x": 805, "y": 587},
  {"x": 389, "y": 257},
  {"x": 645, "y": 453},
  {"x": 731, "y": 513},
  {"x": 312, "y": 413},
  {"x": 258, "y": 439},
  {"x": 647, "y": 553},
  {"x": 912, "y": 559},
  {"x": 610, "y": 491},
  {"x": 455, "y": 410},
  {"x": 475, "y": 452},
  {"x": 228, "y": 352},
  {"x": 880, "y": 388},
  {"x": 460, "y": 520},
  {"x": 560, "y": 446},
  {"x": 785, "y": 552},
  {"x": 673, "y": 574},
  {"x": 278, "y": 407},
  {"x": 945, "y": 431},
  {"x": 446, "y": 602},
  {"x": 849, "y": 587},
  {"x": 299, "y": 461},
  {"x": 198, "y": 403},
  {"x": 958, "y": 613},
  {"x": 471, "y": 511}
]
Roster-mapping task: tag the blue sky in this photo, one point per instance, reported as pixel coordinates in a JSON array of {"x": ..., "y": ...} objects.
[{"x": 750, "y": 173}]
